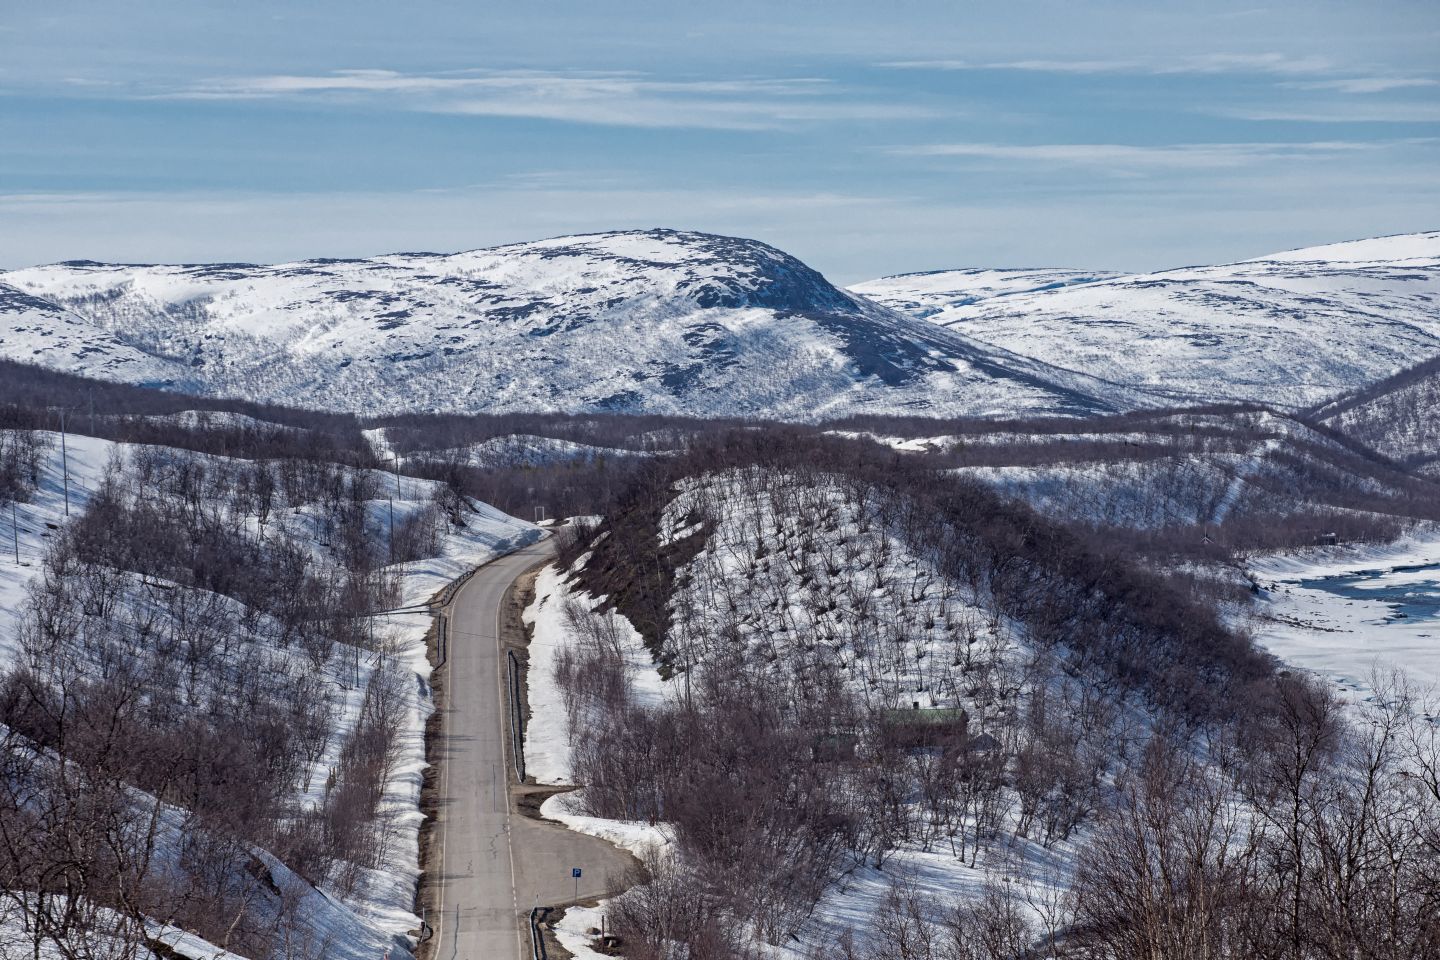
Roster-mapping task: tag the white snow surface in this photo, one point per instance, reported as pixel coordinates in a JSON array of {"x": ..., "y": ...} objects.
[
  {"x": 638, "y": 837},
  {"x": 1333, "y": 611},
  {"x": 547, "y": 734},
  {"x": 658, "y": 321},
  {"x": 571, "y": 930},
  {"x": 1396, "y": 248},
  {"x": 1289, "y": 329},
  {"x": 33, "y": 330},
  {"x": 929, "y": 293},
  {"x": 686, "y": 323},
  {"x": 26, "y": 529}
]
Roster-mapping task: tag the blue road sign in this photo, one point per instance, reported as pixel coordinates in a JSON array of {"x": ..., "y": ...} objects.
[{"x": 575, "y": 872}]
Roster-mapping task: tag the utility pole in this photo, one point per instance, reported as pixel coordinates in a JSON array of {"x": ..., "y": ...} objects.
[
  {"x": 15, "y": 531},
  {"x": 65, "y": 463}
]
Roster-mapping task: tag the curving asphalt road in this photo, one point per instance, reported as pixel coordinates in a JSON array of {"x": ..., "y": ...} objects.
[{"x": 494, "y": 864}]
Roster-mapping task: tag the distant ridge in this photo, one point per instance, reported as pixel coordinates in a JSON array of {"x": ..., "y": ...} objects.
[
  {"x": 1289, "y": 329},
  {"x": 680, "y": 322},
  {"x": 658, "y": 321}
]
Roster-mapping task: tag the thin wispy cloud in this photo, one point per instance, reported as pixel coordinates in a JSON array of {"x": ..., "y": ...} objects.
[
  {"x": 1365, "y": 84},
  {"x": 1349, "y": 111},
  {"x": 1210, "y": 63},
  {"x": 613, "y": 99},
  {"x": 492, "y": 124},
  {"x": 1183, "y": 156}
]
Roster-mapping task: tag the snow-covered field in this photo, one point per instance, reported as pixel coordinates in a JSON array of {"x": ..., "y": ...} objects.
[
  {"x": 933, "y": 292},
  {"x": 1346, "y": 612}
]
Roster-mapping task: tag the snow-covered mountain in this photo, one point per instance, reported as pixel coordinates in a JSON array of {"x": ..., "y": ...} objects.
[
  {"x": 1290, "y": 329},
  {"x": 657, "y": 321},
  {"x": 663, "y": 321}
]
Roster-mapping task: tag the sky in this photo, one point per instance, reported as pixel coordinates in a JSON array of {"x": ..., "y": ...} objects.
[{"x": 865, "y": 138}]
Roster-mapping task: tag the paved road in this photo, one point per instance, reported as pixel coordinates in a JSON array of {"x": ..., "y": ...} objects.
[{"x": 494, "y": 865}]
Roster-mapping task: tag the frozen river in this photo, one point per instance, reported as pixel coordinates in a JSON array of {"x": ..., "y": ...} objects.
[
  {"x": 1408, "y": 591},
  {"x": 1344, "y": 613}
]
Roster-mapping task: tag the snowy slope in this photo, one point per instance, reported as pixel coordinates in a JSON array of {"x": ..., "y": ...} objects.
[
  {"x": 927, "y": 294},
  {"x": 1291, "y": 329},
  {"x": 37, "y": 331},
  {"x": 1399, "y": 417},
  {"x": 803, "y": 582},
  {"x": 657, "y": 321},
  {"x": 1416, "y": 248},
  {"x": 375, "y": 917}
]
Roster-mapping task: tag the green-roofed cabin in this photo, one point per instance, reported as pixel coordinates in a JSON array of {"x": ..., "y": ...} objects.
[{"x": 918, "y": 728}]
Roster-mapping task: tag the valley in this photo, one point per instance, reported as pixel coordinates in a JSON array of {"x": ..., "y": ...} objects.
[
  {"x": 744, "y": 481},
  {"x": 911, "y": 640}
]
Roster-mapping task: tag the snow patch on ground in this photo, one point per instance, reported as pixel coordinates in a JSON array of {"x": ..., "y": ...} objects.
[
  {"x": 572, "y": 931},
  {"x": 639, "y": 837}
]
